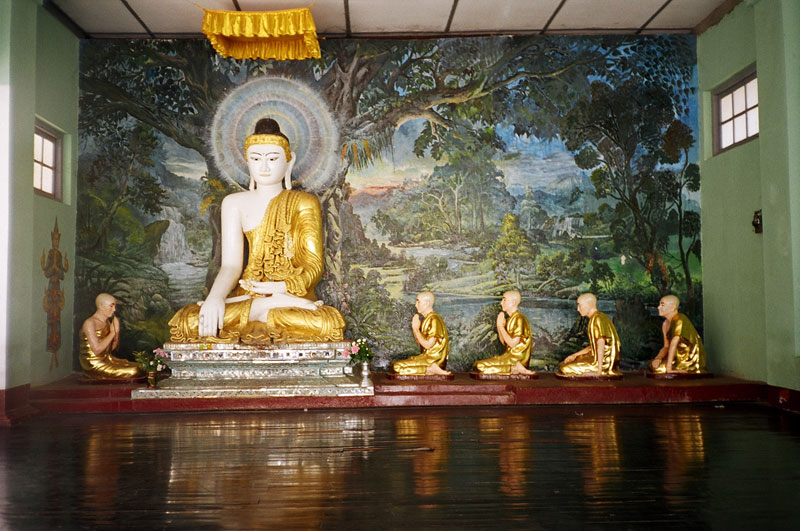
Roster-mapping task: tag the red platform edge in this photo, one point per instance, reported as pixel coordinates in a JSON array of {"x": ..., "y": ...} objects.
[
  {"x": 70, "y": 397},
  {"x": 15, "y": 405}
]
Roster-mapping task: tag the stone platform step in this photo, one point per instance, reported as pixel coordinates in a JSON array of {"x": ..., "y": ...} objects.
[{"x": 257, "y": 388}]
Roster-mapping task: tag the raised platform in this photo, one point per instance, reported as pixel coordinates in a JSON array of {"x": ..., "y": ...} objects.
[
  {"x": 213, "y": 371},
  {"x": 69, "y": 396},
  {"x": 592, "y": 378},
  {"x": 420, "y": 377},
  {"x": 678, "y": 375},
  {"x": 503, "y": 377}
]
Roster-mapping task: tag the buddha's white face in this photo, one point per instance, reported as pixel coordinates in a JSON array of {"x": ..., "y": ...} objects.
[{"x": 267, "y": 163}]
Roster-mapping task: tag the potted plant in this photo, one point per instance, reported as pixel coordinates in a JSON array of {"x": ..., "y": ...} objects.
[
  {"x": 360, "y": 352},
  {"x": 152, "y": 362}
]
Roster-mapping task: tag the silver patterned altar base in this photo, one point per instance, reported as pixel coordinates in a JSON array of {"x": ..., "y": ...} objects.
[{"x": 248, "y": 371}]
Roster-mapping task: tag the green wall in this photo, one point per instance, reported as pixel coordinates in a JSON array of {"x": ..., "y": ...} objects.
[
  {"x": 57, "y": 54},
  {"x": 752, "y": 281},
  {"x": 41, "y": 58}
]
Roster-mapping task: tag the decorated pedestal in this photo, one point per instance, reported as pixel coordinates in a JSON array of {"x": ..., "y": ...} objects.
[{"x": 249, "y": 371}]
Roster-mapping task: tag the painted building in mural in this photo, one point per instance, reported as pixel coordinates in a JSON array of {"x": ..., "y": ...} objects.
[{"x": 465, "y": 166}]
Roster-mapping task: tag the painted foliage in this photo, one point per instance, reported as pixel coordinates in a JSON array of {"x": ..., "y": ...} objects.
[{"x": 552, "y": 165}]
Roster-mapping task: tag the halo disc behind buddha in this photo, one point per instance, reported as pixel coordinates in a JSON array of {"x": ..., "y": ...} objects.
[{"x": 304, "y": 118}]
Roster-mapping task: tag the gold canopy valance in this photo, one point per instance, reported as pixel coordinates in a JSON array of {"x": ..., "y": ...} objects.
[{"x": 281, "y": 35}]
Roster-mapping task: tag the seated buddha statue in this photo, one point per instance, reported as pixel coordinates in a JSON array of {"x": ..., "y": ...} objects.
[
  {"x": 515, "y": 335},
  {"x": 430, "y": 333},
  {"x": 683, "y": 350},
  {"x": 273, "y": 299},
  {"x": 601, "y": 357},
  {"x": 99, "y": 338}
]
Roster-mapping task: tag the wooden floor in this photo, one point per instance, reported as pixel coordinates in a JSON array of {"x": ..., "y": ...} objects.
[
  {"x": 683, "y": 466},
  {"x": 73, "y": 395}
]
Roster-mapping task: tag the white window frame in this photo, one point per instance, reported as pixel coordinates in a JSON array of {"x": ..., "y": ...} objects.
[
  {"x": 741, "y": 121},
  {"x": 40, "y": 165}
]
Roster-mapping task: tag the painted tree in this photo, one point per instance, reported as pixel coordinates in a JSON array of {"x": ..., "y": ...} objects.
[
  {"x": 560, "y": 270},
  {"x": 513, "y": 252},
  {"x": 618, "y": 133},
  {"x": 119, "y": 175},
  {"x": 601, "y": 275},
  {"x": 531, "y": 213},
  {"x": 389, "y": 226},
  {"x": 677, "y": 142}
]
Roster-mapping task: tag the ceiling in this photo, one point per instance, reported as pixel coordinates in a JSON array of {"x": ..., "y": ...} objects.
[{"x": 399, "y": 18}]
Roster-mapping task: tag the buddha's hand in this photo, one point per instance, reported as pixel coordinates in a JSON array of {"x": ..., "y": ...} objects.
[
  {"x": 415, "y": 322},
  {"x": 501, "y": 319},
  {"x": 287, "y": 300},
  {"x": 263, "y": 288},
  {"x": 212, "y": 316}
]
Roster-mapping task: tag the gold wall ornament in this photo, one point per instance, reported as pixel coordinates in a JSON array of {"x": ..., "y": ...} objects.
[
  {"x": 281, "y": 35},
  {"x": 55, "y": 266}
]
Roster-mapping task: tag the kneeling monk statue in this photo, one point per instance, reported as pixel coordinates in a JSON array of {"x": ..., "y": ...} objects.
[
  {"x": 275, "y": 298},
  {"x": 601, "y": 357},
  {"x": 100, "y": 337},
  {"x": 683, "y": 350},
  {"x": 431, "y": 335},
  {"x": 515, "y": 335}
]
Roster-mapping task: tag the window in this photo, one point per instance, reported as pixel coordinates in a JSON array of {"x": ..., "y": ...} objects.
[
  {"x": 47, "y": 162},
  {"x": 736, "y": 112}
]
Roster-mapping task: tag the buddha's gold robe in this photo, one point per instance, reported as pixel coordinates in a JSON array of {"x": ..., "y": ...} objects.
[
  {"x": 599, "y": 326},
  {"x": 690, "y": 356},
  {"x": 517, "y": 326},
  {"x": 102, "y": 365},
  {"x": 431, "y": 326},
  {"x": 286, "y": 246}
]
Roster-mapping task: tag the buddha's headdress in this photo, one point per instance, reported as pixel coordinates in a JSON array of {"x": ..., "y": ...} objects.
[{"x": 267, "y": 131}]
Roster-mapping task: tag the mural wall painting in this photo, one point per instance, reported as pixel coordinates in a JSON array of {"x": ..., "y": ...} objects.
[{"x": 552, "y": 165}]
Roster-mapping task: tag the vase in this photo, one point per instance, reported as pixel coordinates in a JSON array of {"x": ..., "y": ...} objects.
[
  {"x": 365, "y": 381},
  {"x": 152, "y": 379}
]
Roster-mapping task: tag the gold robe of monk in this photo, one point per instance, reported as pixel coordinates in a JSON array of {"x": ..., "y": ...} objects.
[
  {"x": 690, "y": 356},
  {"x": 517, "y": 326},
  {"x": 599, "y": 326},
  {"x": 286, "y": 246},
  {"x": 102, "y": 365},
  {"x": 431, "y": 326}
]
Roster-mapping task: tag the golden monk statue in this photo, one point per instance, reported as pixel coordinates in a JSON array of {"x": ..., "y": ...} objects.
[
  {"x": 515, "y": 335},
  {"x": 601, "y": 357},
  {"x": 431, "y": 335},
  {"x": 275, "y": 298},
  {"x": 683, "y": 350},
  {"x": 99, "y": 337}
]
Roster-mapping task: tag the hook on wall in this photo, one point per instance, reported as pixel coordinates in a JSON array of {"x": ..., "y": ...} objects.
[{"x": 758, "y": 224}]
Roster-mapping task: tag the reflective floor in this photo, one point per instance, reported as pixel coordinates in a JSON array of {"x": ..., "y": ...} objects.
[{"x": 576, "y": 467}]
